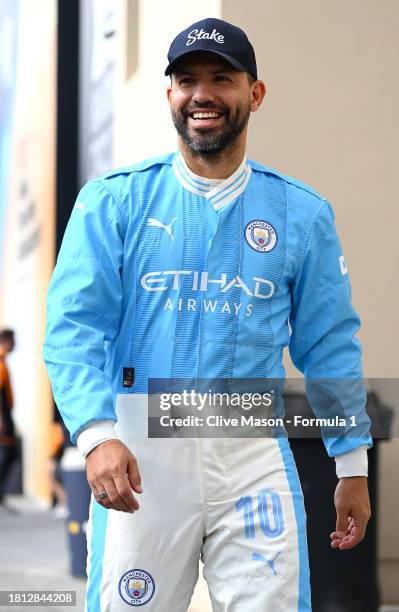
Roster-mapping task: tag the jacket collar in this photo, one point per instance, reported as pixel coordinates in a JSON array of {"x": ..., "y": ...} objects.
[{"x": 219, "y": 192}]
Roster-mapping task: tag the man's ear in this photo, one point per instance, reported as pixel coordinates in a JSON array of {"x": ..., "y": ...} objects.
[{"x": 258, "y": 92}]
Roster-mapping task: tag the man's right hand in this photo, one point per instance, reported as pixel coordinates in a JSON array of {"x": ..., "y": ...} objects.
[{"x": 112, "y": 468}]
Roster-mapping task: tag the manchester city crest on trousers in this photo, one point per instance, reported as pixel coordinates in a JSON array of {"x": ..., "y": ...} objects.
[
  {"x": 261, "y": 236},
  {"x": 136, "y": 587}
]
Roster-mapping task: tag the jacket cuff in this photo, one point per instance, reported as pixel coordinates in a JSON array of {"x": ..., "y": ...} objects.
[
  {"x": 94, "y": 434},
  {"x": 354, "y": 463}
]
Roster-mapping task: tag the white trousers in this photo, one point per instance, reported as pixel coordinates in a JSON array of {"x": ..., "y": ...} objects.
[{"x": 235, "y": 503}]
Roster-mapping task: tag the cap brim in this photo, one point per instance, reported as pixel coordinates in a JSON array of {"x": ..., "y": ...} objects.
[{"x": 170, "y": 68}]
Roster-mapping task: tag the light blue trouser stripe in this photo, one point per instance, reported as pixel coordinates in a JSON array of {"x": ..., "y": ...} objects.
[
  {"x": 99, "y": 526},
  {"x": 304, "y": 596}
]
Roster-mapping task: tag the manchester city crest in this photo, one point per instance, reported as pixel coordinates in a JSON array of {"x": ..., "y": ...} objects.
[
  {"x": 261, "y": 236},
  {"x": 136, "y": 587}
]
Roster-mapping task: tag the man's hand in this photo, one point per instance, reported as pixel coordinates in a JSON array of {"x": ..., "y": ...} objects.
[
  {"x": 353, "y": 512},
  {"x": 112, "y": 468}
]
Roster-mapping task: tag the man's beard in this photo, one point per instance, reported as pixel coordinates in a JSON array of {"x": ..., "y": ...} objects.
[{"x": 207, "y": 142}]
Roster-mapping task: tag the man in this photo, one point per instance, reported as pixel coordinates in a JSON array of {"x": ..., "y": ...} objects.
[
  {"x": 193, "y": 265},
  {"x": 8, "y": 448}
]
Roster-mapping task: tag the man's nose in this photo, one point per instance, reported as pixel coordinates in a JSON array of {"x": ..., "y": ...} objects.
[{"x": 203, "y": 92}]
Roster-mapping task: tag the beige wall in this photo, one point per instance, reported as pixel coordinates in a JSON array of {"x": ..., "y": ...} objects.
[{"x": 329, "y": 119}]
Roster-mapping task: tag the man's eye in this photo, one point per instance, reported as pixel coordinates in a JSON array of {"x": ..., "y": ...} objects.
[
  {"x": 185, "y": 81},
  {"x": 221, "y": 77}
]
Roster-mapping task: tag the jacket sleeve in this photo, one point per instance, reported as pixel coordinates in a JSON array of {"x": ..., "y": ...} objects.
[
  {"x": 84, "y": 303},
  {"x": 323, "y": 345}
]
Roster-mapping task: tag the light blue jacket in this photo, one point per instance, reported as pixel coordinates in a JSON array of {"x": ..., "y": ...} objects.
[{"x": 179, "y": 278}]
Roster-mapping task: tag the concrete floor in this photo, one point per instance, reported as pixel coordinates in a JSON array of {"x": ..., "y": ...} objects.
[{"x": 34, "y": 553}]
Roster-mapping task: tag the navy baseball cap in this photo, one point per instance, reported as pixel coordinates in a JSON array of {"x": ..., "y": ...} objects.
[{"x": 214, "y": 36}]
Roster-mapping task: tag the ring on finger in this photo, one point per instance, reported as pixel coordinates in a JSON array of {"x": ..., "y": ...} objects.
[{"x": 102, "y": 495}]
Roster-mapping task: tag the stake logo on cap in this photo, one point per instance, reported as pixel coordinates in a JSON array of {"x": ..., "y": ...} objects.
[{"x": 202, "y": 35}]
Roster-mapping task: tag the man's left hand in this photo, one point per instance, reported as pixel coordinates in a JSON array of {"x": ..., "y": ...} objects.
[{"x": 352, "y": 504}]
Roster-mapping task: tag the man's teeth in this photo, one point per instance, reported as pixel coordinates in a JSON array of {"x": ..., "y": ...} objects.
[{"x": 206, "y": 115}]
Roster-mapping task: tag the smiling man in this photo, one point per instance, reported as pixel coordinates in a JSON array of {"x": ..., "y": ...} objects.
[{"x": 198, "y": 265}]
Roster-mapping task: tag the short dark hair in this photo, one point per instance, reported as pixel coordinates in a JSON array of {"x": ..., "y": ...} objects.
[{"x": 7, "y": 335}]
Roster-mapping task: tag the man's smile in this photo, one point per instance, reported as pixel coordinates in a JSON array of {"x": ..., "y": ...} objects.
[{"x": 205, "y": 118}]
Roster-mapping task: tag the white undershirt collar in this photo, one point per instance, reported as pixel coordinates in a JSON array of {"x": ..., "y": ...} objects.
[{"x": 219, "y": 192}]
